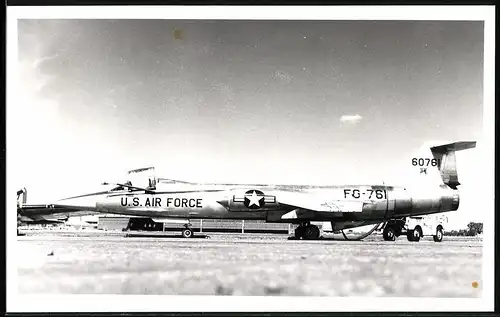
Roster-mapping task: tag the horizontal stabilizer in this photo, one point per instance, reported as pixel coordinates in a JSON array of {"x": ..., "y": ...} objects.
[{"x": 457, "y": 146}]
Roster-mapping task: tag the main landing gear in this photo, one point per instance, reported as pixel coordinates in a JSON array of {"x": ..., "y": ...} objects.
[
  {"x": 187, "y": 232},
  {"x": 307, "y": 231}
]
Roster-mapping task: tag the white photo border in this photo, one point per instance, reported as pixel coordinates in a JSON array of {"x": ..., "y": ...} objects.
[{"x": 140, "y": 303}]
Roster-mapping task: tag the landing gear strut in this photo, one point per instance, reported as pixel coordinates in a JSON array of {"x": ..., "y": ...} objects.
[
  {"x": 307, "y": 231},
  {"x": 187, "y": 232}
]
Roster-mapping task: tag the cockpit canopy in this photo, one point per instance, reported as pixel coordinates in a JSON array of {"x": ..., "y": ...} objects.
[{"x": 170, "y": 181}]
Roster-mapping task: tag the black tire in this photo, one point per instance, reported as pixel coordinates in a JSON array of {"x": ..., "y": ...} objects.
[
  {"x": 317, "y": 232},
  {"x": 438, "y": 237},
  {"x": 389, "y": 234},
  {"x": 417, "y": 234},
  {"x": 311, "y": 232},
  {"x": 187, "y": 233},
  {"x": 299, "y": 232}
]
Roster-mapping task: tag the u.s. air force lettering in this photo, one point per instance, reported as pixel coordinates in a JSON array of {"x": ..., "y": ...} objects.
[
  {"x": 161, "y": 202},
  {"x": 254, "y": 199}
]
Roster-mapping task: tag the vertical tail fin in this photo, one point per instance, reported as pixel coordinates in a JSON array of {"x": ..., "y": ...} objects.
[{"x": 445, "y": 156}]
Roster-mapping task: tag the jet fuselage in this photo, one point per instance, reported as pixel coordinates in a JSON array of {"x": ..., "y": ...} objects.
[{"x": 273, "y": 203}]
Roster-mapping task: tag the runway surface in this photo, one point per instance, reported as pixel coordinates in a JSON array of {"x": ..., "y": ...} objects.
[{"x": 249, "y": 264}]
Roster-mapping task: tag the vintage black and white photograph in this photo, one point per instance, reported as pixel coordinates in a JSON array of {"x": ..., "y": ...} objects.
[{"x": 273, "y": 158}]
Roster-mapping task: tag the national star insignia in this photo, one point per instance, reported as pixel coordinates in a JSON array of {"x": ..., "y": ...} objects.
[{"x": 254, "y": 199}]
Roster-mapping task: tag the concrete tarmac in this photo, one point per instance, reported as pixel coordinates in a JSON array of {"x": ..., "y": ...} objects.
[{"x": 247, "y": 264}]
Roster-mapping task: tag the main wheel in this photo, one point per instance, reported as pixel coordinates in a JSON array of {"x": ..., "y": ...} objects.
[
  {"x": 299, "y": 232},
  {"x": 389, "y": 233},
  {"x": 311, "y": 232},
  {"x": 187, "y": 233},
  {"x": 439, "y": 235}
]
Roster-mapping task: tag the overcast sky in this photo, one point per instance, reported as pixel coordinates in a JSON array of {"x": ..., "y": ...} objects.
[{"x": 238, "y": 101}]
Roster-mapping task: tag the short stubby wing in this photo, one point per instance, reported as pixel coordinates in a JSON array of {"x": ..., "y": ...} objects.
[{"x": 319, "y": 202}]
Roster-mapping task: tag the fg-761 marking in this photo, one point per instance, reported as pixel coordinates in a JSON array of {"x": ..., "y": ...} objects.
[{"x": 365, "y": 194}]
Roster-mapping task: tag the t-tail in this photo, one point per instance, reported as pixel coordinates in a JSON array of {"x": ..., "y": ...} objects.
[
  {"x": 446, "y": 160},
  {"x": 435, "y": 163}
]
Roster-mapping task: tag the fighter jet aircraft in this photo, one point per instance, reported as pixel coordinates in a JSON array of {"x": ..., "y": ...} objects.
[{"x": 345, "y": 206}]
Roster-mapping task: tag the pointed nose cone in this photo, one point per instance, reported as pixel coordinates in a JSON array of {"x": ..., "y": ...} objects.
[{"x": 113, "y": 204}]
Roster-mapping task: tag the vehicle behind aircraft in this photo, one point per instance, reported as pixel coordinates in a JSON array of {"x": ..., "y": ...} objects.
[{"x": 416, "y": 227}]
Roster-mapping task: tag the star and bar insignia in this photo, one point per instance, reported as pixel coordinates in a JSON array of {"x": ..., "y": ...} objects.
[{"x": 254, "y": 199}]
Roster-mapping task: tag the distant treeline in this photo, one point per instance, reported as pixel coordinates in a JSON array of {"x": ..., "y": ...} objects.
[{"x": 473, "y": 228}]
